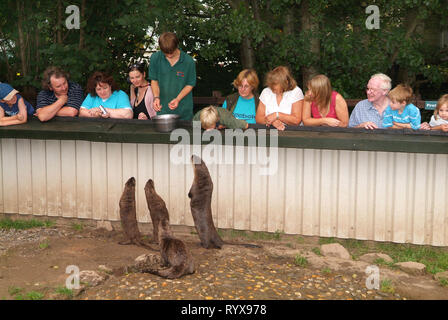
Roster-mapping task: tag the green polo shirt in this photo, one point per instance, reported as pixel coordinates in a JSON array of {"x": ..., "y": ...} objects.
[{"x": 172, "y": 79}]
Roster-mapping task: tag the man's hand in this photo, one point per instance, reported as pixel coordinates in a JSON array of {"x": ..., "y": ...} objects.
[
  {"x": 156, "y": 105},
  {"x": 63, "y": 99},
  {"x": 368, "y": 125},
  {"x": 173, "y": 104}
]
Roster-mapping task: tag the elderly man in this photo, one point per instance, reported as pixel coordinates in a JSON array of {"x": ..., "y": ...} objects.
[
  {"x": 59, "y": 97},
  {"x": 368, "y": 113}
]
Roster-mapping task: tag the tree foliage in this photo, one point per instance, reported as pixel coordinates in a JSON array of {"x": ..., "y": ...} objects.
[{"x": 224, "y": 36}]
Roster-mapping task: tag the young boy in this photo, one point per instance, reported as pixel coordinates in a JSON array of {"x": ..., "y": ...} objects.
[
  {"x": 211, "y": 115},
  {"x": 13, "y": 108},
  {"x": 401, "y": 113}
]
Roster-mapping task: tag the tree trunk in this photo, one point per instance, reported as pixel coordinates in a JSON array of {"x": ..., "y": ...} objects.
[
  {"x": 22, "y": 47},
  {"x": 309, "y": 24},
  {"x": 81, "y": 29},
  {"x": 59, "y": 23},
  {"x": 247, "y": 54}
]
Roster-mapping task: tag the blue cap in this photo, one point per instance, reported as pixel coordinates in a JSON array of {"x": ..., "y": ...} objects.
[{"x": 7, "y": 92}]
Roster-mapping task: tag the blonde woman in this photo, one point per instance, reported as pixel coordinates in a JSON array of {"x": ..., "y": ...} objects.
[
  {"x": 323, "y": 106},
  {"x": 281, "y": 102},
  {"x": 243, "y": 104}
]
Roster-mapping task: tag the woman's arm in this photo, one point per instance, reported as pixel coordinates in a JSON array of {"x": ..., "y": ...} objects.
[
  {"x": 342, "y": 111},
  {"x": 119, "y": 113},
  {"x": 260, "y": 116},
  {"x": 308, "y": 120},
  {"x": 295, "y": 117}
]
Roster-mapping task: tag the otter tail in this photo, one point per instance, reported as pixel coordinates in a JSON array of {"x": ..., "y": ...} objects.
[
  {"x": 144, "y": 245},
  {"x": 173, "y": 272},
  {"x": 246, "y": 245}
]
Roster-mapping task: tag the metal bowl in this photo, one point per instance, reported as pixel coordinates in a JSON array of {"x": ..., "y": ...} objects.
[{"x": 166, "y": 122}]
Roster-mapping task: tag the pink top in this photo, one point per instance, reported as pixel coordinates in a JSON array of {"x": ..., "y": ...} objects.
[
  {"x": 331, "y": 113},
  {"x": 149, "y": 99}
]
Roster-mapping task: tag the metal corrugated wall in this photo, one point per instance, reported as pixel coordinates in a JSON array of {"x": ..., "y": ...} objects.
[{"x": 384, "y": 196}]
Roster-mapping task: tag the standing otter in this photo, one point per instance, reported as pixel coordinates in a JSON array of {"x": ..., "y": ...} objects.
[
  {"x": 157, "y": 208},
  {"x": 201, "y": 207},
  {"x": 128, "y": 216},
  {"x": 174, "y": 254}
]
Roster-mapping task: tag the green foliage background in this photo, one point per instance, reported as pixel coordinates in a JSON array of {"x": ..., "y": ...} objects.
[{"x": 114, "y": 34}]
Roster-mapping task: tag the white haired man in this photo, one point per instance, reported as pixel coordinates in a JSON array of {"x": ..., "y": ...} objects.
[{"x": 368, "y": 113}]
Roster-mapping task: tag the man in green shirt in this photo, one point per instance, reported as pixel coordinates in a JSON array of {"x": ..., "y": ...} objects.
[
  {"x": 211, "y": 115},
  {"x": 173, "y": 75}
]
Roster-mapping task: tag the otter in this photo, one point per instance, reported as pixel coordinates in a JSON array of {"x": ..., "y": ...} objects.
[
  {"x": 128, "y": 216},
  {"x": 174, "y": 254},
  {"x": 201, "y": 198},
  {"x": 156, "y": 207}
]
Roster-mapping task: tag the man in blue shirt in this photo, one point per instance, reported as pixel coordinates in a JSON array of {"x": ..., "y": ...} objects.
[
  {"x": 59, "y": 97},
  {"x": 368, "y": 114}
]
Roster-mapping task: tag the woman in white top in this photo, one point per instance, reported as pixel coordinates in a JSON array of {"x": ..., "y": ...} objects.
[{"x": 281, "y": 102}]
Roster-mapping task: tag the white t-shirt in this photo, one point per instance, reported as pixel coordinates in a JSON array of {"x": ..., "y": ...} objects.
[
  {"x": 289, "y": 97},
  {"x": 438, "y": 122}
]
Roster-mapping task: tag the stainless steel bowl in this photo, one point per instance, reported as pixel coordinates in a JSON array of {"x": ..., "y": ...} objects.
[{"x": 166, "y": 122}]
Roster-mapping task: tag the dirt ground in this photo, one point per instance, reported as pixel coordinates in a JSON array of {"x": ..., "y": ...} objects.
[{"x": 38, "y": 263}]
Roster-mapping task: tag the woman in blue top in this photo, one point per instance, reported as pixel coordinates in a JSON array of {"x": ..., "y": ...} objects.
[
  {"x": 13, "y": 108},
  {"x": 104, "y": 99}
]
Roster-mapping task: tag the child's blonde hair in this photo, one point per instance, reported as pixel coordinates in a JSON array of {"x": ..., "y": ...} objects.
[
  {"x": 401, "y": 93},
  {"x": 209, "y": 116},
  {"x": 442, "y": 101}
]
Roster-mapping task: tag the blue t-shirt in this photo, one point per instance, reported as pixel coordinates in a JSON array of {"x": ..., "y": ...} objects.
[
  {"x": 117, "y": 100},
  {"x": 410, "y": 115},
  {"x": 14, "y": 109},
  {"x": 244, "y": 109}
]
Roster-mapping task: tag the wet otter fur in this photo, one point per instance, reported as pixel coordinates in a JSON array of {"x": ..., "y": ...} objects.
[
  {"x": 201, "y": 208},
  {"x": 174, "y": 254},
  {"x": 128, "y": 216},
  {"x": 157, "y": 208}
]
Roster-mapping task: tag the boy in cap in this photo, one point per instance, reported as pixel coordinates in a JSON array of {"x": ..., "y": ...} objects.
[{"x": 13, "y": 108}]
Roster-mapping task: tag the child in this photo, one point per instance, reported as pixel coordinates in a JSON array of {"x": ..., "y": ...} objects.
[
  {"x": 401, "y": 113},
  {"x": 13, "y": 108},
  {"x": 210, "y": 115},
  {"x": 439, "y": 121}
]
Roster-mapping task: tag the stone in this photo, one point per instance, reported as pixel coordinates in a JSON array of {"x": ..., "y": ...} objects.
[
  {"x": 91, "y": 277},
  {"x": 105, "y": 269},
  {"x": 441, "y": 275},
  {"x": 372, "y": 257},
  {"x": 411, "y": 267},
  {"x": 104, "y": 225},
  {"x": 334, "y": 250}
]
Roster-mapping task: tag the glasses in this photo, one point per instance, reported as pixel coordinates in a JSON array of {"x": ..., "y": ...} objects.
[
  {"x": 244, "y": 87},
  {"x": 372, "y": 89}
]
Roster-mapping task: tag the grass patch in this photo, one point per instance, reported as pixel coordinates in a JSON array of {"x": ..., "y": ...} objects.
[
  {"x": 63, "y": 291},
  {"x": 277, "y": 235},
  {"x": 13, "y": 291},
  {"x": 316, "y": 250},
  {"x": 300, "y": 261},
  {"x": 443, "y": 282},
  {"x": 387, "y": 286},
  {"x": 44, "y": 245},
  {"x": 77, "y": 226},
  {"x": 7, "y": 223},
  {"x": 326, "y": 271},
  {"x": 18, "y": 294},
  {"x": 327, "y": 240}
]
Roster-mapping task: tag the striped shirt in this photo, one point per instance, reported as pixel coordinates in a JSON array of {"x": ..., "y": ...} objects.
[{"x": 75, "y": 97}]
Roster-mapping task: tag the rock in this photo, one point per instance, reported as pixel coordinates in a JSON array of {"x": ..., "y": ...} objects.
[
  {"x": 411, "y": 267},
  {"x": 105, "y": 269},
  {"x": 441, "y": 275},
  {"x": 91, "y": 277},
  {"x": 334, "y": 250},
  {"x": 372, "y": 257},
  {"x": 105, "y": 225}
]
